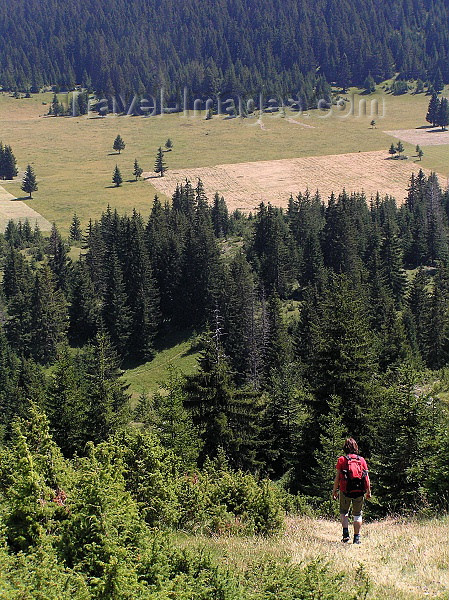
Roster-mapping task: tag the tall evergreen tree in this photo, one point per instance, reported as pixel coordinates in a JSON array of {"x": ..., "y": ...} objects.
[
  {"x": 29, "y": 183},
  {"x": 433, "y": 110},
  {"x": 119, "y": 144},
  {"x": 160, "y": 165}
]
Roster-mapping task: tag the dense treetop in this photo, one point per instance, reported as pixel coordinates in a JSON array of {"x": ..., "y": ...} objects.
[{"x": 229, "y": 46}]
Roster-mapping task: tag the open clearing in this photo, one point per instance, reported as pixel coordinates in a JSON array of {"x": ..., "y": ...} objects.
[
  {"x": 245, "y": 185},
  {"x": 11, "y": 208},
  {"x": 73, "y": 158},
  {"x": 425, "y": 136}
]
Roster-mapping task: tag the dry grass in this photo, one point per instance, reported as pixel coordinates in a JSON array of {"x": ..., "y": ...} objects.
[
  {"x": 404, "y": 560},
  {"x": 427, "y": 136},
  {"x": 245, "y": 185}
]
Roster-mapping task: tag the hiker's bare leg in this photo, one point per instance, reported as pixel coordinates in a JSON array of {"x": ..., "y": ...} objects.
[
  {"x": 357, "y": 526},
  {"x": 344, "y": 521}
]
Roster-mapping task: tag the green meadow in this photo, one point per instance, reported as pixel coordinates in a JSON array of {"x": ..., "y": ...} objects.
[{"x": 74, "y": 160}]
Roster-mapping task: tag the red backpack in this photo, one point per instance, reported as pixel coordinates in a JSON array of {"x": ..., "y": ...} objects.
[{"x": 355, "y": 476}]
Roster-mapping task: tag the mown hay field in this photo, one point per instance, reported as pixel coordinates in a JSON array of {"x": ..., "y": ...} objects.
[{"x": 245, "y": 185}]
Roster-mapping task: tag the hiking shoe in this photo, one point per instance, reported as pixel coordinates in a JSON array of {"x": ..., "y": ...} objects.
[
  {"x": 345, "y": 538},
  {"x": 356, "y": 539}
]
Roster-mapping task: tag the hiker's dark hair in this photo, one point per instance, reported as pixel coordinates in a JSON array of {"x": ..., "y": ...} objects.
[{"x": 350, "y": 446}]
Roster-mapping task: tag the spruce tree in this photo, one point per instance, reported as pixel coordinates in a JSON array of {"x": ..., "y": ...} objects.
[
  {"x": 75, "y": 229},
  {"x": 65, "y": 405},
  {"x": 49, "y": 318},
  {"x": 137, "y": 172},
  {"x": 443, "y": 114},
  {"x": 8, "y": 163},
  {"x": 105, "y": 392},
  {"x": 118, "y": 144},
  {"x": 433, "y": 110},
  {"x": 141, "y": 290},
  {"x": 84, "y": 306},
  {"x": 117, "y": 177},
  {"x": 160, "y": 166},
  {"x": 29, "y": 183},
  {"x": 116, "y": 311},
  {"x": 58, "y": 260}
]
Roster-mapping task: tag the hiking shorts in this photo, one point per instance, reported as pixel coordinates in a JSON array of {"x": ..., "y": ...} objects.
[{"x": 345, "y": 505}]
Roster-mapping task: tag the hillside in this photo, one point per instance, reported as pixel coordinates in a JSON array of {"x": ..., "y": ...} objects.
[{"x": 227, "y": 47}]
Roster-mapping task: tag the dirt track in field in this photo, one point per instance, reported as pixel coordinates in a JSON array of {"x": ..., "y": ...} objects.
[
  {"x": 11, "y": 208},
  {"x": 245, "y": 185}
]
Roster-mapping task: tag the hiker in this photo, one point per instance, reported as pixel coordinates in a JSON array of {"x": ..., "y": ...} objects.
[{"x": 352, "y": 484}]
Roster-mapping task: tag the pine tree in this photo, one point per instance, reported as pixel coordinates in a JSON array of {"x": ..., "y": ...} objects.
[
  {"x": 8, "y": 163},
  {"x": 107, "y": 400},
  {"x": 400, "y": 148},
  {"x": 117, "y": 177},
  {"x": 392, "y": 150},
  {"x": 226, "y": 418},
  {"x": 75, "y": 229},
  {"x": 343, "y": 360},
  {"x": 331, "y": 442},
  {"x": 159, "y": 165},
  {"x": 173, "y": 423},
  {"x": 137, "y": 172},
  {"x": 169, "y": 145},
  {"x": 116, "y": 311},
  {"x": 443, "y": 114},
  {"x": 29, "y": 183},
  {"x": 433, "y": 110},
  {"x": 49, "y": 319},
  {"x": 220, "y": 217},
  {"x": 58, "y": 260},
  {"x": 118, "y": 144},
  {"x": 141, "y": 290},
  {"x": 391, "y": 263},
  {"x": 65, "y": 405}
]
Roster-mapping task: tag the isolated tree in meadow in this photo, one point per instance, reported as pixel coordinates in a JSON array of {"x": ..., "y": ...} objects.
[
  {"x": 117, "y": 177},
  {"x": 137, "y": 169},
  {"x": 443, "y": 114},
  {"x": 420, "y": 153},
  {"x": 29, "y": 183},
  {"x": 392, "y": 150},
  {"x": 373, "y": 124},
  {"x": 400, "y": 148},
  {"x": 432, "y": 111},
  {"x": 159, "y": 165},
  {"x": 169, "y": 144},
  {"x": 75, "y": 229},
  {"x": 119, "y": 144}
]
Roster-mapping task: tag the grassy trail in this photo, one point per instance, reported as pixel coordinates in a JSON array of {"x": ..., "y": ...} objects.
[{"x": 404, "y": 560}]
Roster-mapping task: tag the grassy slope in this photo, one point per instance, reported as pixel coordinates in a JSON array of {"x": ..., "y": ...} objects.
[
  {"x": 147, "y": 377},
  {"x": 74, "y": 161},
  {"x": 405, "y": 561}
]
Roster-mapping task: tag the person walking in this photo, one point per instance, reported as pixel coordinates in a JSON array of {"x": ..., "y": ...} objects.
[{"x": 351, "y": 485}]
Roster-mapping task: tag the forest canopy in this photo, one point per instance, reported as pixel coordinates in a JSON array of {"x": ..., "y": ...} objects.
[{"x": 242, "y": 47}]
